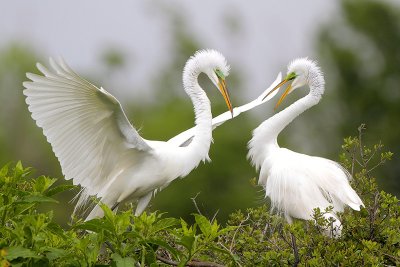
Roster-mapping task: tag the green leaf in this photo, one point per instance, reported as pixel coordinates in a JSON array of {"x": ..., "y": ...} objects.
[
  {"x": 187, "y": 242},
  {"x": 4, "y": 170},
  {"x": 56, "y": 229},
  {"x": 20, "y": 252},
  {"x": 185, "y": 229},
  {"x": 59, "y": 189},
  {"x": 42, "y": 183},
  {"x": 166, "y": 246},
  {"x": 118, "y": 261},
  {"x": 54, "y": 253},
  {"x": 19, "y": 167},
  {"x": 226, "y": 230},
  {"x": 164, "y": 224},
  {"x": 107, "y": 212},
  {"x": 23, "y": 208},
  {"x": 19, "y": 170},
  {"x": 203, "y": 223},
  {"x": 94, "y": 225},
  {"x": 36, "y": 199}
]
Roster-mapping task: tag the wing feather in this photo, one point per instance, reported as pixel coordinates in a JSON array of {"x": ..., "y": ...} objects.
[{"x": 85, "y": 125}]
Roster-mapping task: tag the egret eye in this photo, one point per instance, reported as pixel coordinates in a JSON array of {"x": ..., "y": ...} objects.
[{"x": 219, "y": 73}]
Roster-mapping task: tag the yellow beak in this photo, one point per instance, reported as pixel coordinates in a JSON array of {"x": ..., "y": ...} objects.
[
  {"x": 225, "y": 93},
  {"x": 287, "y": 91}
]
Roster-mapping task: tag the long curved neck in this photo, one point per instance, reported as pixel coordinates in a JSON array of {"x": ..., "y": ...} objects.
[
  {"x": 265, "y": 135},
  {"x": 279, "y": 121},
  {"x": 201, "y": 142},
  {"x": 270, "y": 128}
]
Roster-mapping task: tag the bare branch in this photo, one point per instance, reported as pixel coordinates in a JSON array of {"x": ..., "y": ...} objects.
[
  {"x": 237, "y": 229},
  {"x": 195, "y": 204},
  {"x": 295, "y": 251},
  {"x": 215, "y": 215},
  {"x": 360, "y": 133}
]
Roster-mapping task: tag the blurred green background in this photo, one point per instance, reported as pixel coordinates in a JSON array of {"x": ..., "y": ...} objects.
[{"x": 356, "y": 44}]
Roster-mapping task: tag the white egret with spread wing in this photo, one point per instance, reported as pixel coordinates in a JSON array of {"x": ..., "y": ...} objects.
[
  {"x": 297, "y": 183},
  {"x": 97, "y": 146}
]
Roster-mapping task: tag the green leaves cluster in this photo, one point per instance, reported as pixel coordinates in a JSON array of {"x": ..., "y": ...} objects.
[
  {"x": 31, "y": 238},
  {"x": 253, "y": 237}
]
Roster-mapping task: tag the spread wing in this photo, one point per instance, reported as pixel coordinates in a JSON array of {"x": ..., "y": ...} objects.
[
  {"x": 184, "y": 138},
  {"x": 86, "y": 126}
]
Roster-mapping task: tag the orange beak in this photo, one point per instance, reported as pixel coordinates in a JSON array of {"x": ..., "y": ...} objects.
[
  {"x": 287, "y": 91},
  {"x": 225, "y": 93}
]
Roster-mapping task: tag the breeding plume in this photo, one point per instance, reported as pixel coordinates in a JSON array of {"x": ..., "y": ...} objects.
[
  {"x": 97, "y": 146},
  {"x": 297, "y": 183}
]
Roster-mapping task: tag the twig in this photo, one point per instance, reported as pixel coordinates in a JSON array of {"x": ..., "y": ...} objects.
[
  {"x": 391, "y": 256},
  {"x": 373, "y": 168},
  {"x": 352, "y": 162},
  {"x": 372, "y": 216},
  {"x": 373, "y": 153},
  {"x": 284, "y": 238},
  {"x": 189, "y": 263},
  {"x": 222, "y": 245},
  {"x": 360, "y": 129},
  {"x": 195, "y": 204},
  {"x": 264, "y": 232},
  {"x": 354, "y": 158},
  {"x": 295, "y": 251},
  {"x": 215, "y": 215},
  {"x": 237, "y": 229}
]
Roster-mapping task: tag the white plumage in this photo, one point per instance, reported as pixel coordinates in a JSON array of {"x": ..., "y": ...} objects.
[
  {"x": 298, "y": 183},
  {"x": 186, "y": 136},
  {"x": 97, "y": 146}
]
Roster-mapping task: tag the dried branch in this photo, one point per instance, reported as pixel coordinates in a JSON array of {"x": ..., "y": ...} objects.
[
  {"x": 195, "y": 203},
  {"x": 215, "y": 216},
  {"x": 360, "y": 133},
  {"x": 295, "y": 251},
  {"x": 372, "y": 216}
]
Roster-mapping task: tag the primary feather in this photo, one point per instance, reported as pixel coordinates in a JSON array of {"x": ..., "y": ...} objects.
[
  {"x": 86, "y": 126},
  {"x": 97, "y": 146}
]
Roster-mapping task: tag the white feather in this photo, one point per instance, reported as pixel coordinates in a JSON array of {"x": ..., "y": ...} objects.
[
  {"x": 97, "y": 146},
  {"x": 185, "y": 137},
  {"x": 298, "y": 183}
]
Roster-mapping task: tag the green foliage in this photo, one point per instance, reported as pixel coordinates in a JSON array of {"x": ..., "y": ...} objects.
[
  {"x": 251, "y": 238},
  {"x": 32, "y": 238}
]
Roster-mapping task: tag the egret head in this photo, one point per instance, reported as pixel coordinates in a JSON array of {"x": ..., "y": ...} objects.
[
  {"x": 298, "y": 75},
  {"x": 214, "y": 65}
]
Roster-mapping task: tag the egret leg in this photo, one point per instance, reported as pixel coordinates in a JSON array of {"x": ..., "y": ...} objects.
[{"x": 142, "y": 203}]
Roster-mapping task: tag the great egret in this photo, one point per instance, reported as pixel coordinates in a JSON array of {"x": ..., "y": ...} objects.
[
  {"x": 297, "y": 183},
  {"x": 97, "y": 146}
]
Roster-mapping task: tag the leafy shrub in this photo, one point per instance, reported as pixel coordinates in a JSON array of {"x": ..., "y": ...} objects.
[{"x": 251, "y": 238}]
